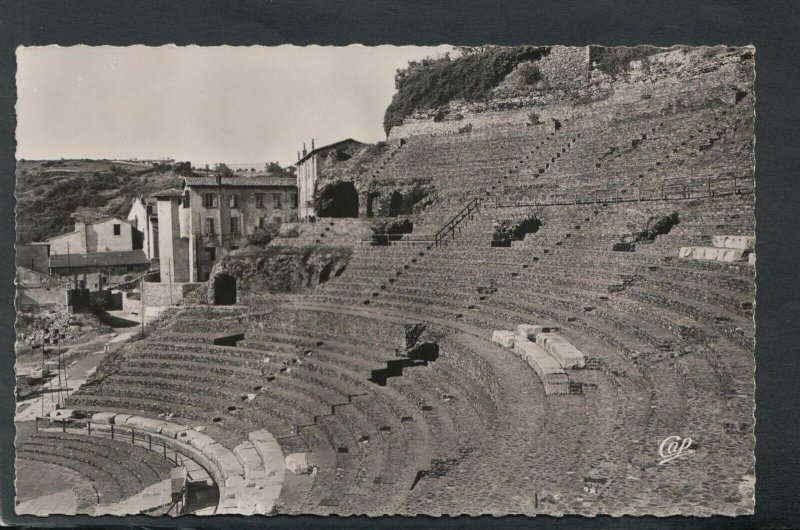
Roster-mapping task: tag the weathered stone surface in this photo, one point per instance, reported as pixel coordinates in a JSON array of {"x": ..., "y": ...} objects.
[
  {"x": 503, "y": 337},
  {"x": 145, "y": 424},
  {"x": 567, "y": 355},
  {"x": 728, "y": 255},
  {"x": 196, "y": 439},
  {"x": 103, "y": 417},
  {"x": 546, "y": 367},
  {"x": 297, "y": 464},
  {"x": 735, "y": 242},
  {"x": 529, "y": 331}
]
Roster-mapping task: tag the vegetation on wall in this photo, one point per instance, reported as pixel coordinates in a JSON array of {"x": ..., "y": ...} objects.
[
  {"x": 433, "y": 83},
  {"x": 506, "y": 230},
  {"x": 615, "y": 61}
]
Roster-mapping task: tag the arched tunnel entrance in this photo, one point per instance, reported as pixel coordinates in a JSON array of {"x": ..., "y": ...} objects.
[{"x": 339, "y": 199}]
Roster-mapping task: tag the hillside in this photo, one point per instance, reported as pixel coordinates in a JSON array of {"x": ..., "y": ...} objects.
[{"x": 48, "y": 191}]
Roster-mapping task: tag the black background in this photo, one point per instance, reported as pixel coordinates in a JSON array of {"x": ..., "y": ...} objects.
[{"x": 772, "y": 26}]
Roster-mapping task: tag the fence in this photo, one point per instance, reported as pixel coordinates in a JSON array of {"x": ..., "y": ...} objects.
[{"x": 116, "y": 432}]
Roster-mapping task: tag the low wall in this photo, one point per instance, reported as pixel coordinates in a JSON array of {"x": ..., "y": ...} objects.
[{"x": 165, "y": 295}]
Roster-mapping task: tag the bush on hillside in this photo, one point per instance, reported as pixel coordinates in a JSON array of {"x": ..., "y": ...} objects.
[
  {"x": 262, "y": 236},
  {"x": 615, "y": 61},
  {"x": 434, "y": 83}
]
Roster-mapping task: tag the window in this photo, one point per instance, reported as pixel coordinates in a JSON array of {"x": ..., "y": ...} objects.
[
  {"x": 209, "y": 200},
  {"x": 293, "y": 198},
  {"x": 186, "y": 199},
  {"x": 211, "y": 254},
  {"x": 117, "y": 229},
  {"x": 262, "y": 222},
  {"x": 276, "y": 201},
  {"x": 210, "y": 226},
  {"x": 233, "y": 201},
  {"x": 235, "y": 226},
  {"x": 259, "y": 200}
]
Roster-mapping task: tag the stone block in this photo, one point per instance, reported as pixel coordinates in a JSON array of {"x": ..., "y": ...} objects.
[
  {"x": 225, "y": 460},
  {"x": 553, "y": 377},
  {"x": 735, "y": 242},
  {"x": 103, "y": 417},
  {"x": 751, "y": 258},
  {"x": 297, "y": 464},
  {"x": 503, "y": 337},
  {"x": 528, "y": 331},
  {"x": 120, "y": 419},
  {"x": 727, "y": 255},
  {"x": 145, "y": 424},
  {"x": 196, "y": 439},
  {"x": 172, "y": 429},
  {"x": 567, "y": 355}
]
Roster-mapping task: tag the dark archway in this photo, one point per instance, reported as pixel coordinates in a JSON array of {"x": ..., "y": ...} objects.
[
  {"x": 224, "y": 289},
  {"x": 372, "y": 200},
  {"x": 396, "y": 204},
  {"x": 339, "y": 199}
]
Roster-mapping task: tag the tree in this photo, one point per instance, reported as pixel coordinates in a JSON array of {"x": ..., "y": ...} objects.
[{"x": 223, "y": 170}]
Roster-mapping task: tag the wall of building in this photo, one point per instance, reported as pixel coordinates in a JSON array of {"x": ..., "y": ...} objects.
[
  {"x": 72, "y": 242},
  {"x": 164, "y": 295},
  {"x": 247, "y": 211},
  {"x": 173, "y": 250},
  {"x": 141, "y": 218},
  {"x": 307, "y": 173},
  {"x": 100, "y": 237},
  {"x": 95, "y": 278},
  {"x": 33, "y": 257}
]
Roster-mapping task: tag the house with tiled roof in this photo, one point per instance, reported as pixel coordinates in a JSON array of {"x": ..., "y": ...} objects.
[{"x": 212, "y": 215}]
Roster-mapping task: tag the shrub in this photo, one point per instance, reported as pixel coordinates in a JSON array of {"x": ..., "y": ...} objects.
[
  {"x": 386, "y": 230},
  {"x": 615, "y": 61},
  {"x": 657, "y": 225},
  {"x": 507, "y": 230},
  {"x": 529, "y": 73},
  {"x": 465, "y": 129},
  {"x": 534, "y": 118},
  {"x": 262, "y": 236}
]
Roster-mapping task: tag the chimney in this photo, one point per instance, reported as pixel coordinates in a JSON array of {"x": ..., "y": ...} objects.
[
  {"x": 304, "y": 149},
  {"x": 219, "y": 180},
  {"x": 312, "y": 144}
]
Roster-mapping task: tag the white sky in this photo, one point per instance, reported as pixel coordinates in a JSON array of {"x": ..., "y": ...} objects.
[{"x": 239, "y": 105}]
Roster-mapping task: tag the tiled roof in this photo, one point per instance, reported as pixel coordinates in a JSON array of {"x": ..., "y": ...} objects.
[
  {"x": 99, "y": 259},
  {"x": 241, "y": 182}
]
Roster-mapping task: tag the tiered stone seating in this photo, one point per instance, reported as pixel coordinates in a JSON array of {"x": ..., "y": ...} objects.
[{"x": 117, "y": 470}]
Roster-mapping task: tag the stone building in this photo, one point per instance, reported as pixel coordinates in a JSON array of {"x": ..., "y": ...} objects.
[
  {"x": 108, "y": 235},
  {"x": 211, "y": 216},
  {"x": 98, "y": 270},
  {"x": 310, "y": 165},
  {"x": 144, "y": 218}
]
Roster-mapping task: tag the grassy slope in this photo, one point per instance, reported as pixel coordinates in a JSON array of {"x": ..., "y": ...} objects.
[{"x": 48, "y": 192}]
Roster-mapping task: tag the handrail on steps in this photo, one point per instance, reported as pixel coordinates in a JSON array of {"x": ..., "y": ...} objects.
[{"x": 466, "y": 212}]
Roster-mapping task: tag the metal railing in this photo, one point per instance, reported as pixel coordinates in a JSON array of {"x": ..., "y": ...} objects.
[
  {"x": 667, "y": 190},
  {"x": 449, "y": 228},
  {"x": 115, "y": 432}
]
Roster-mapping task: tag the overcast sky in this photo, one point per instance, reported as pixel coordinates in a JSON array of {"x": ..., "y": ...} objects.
[{"x": 223, "y": 104}]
